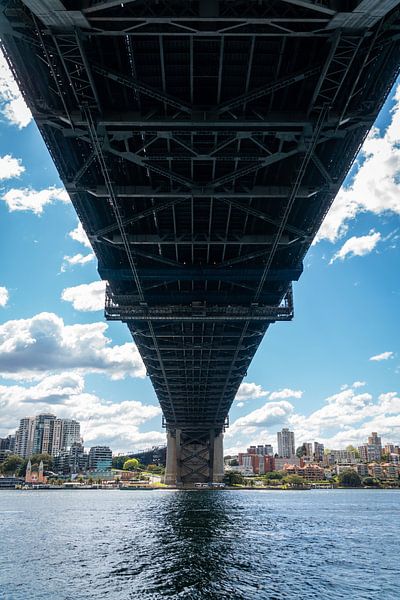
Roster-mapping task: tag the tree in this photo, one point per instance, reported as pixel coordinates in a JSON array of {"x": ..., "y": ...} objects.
[
  {"x": 118, "y": 461},
  {"x": 294, "y": 480},
  {"x": 132, "y": 464},
  {"x": 234, "y": 462},
  {"x": 370, "y": 481},
  {"x": 301, "y": 451},
  {"x": 273, "y": 475},
  {"x": 12, "y": 464},
  {"x": 349, "y": 478},
  {"x": 233, "y": 478}
]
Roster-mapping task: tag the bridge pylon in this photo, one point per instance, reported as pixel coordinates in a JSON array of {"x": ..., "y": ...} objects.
[{"x": 194, "y": 457}]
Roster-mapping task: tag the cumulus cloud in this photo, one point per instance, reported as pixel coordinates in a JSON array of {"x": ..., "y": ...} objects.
[
  {"x": 102, "y": 422},
  {"x": 382, "y": 356},
  {"x": 286, "y": 393},
  {"x": 375, "y": 187},
  {"x": 12, "y": 104},
  {"x": 3, "y": 296},
  {"x": 247, "y": 391},
  {"x": 86, "y": 297},
  {"x": 43, "y": 345},
  {"x": 76, "y": 259},
  {"x": 28, "y": 199},
  {"x": 79, "y": 235},
  {"x": 346, "y": 417},
  {"x": 10, "y": 167},
  {"x": 357, "y": 246}
]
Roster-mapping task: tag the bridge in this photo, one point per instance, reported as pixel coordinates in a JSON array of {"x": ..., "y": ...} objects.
[{"x": 202, "y": 144}]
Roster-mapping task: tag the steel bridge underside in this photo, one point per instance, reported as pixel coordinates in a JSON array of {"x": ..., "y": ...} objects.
[{"x": 202, "y": 144}]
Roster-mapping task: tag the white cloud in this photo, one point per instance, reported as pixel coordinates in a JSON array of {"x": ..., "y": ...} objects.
[
  {"x": 12, "y": 104},
  {"x": 240, "y": 404},
  {"x": 382, "y": 356},
  {"x": 10, "y": 167},
  {"x": 79, "y": 235},
  {"x": 76, "y": 259},
  {"x": 358, "y": 246},
  {"x": 44, "y": 345},
  {"x": 347, "y": 417},
  {"x": 86, "y": 297},
  {"x": 358, "y": 384},
  {"x": 3, "y": 296},
  {"x": 247, "y": 391},
  {"x": 102, "y": 421},
  {"x": 375, "y": 187},
  {"x": 27, "y": 199},
  {"x": 286, "y": 393}
]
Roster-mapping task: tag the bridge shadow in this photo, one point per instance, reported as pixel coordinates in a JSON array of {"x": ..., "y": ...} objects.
[{"x": 188, "y": 549}]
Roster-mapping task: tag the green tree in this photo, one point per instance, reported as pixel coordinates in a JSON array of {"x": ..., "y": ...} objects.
[
  {"x": 294, "y": 480},
  {"x": 12, "y": 464},
  {"x": 301, "y": 451},
  {"x": 273, "y": 475},
  {"x": 132, "y": 464},
  {"x": 349, "y": 478},
  {"x": 370, "y": 481},
  {"x": 118, "y": 461},
  {"x": 234, "y": 462},
  {"x": 233, "y": 478}
]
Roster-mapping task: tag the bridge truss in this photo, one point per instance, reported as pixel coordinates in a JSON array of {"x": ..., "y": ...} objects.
[{"x": 202, "y": 144}]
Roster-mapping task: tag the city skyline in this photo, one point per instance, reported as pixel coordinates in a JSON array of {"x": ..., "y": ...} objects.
[{"x": 331, "y": 374}]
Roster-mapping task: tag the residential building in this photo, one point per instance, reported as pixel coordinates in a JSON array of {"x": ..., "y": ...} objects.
[
  {"x": 8, "y": 443},
  {"x": 310, "y": 472},
  {"x": 340, "y": 457},
  {"x": 71, "y": 460},
  {"x": 390, "y": 470},
  {"x": 258, "y": 464},
  {"x": 25, "y": 437},
  {"x": 281, "y": 462},
  {"x": 65, "y": 433},
  {"x": 362, "y": 469},
  {"x": 375, "y": 470},
  {"x": 261, "y": 450},
  {"x": 318, "y": 452},
  {"x": 372, "y": 450},
  {"x": 100, "y": 458},
  {"x": 286, "y": 445},
  {"x": 42, "y": 433}
]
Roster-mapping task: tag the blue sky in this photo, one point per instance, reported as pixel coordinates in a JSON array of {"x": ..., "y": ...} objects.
[{"x": 332, "y": 374}]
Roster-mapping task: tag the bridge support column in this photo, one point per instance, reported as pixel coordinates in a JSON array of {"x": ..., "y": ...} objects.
[
  {"x": 218, "y": 464},
  {"x": 171, "y": 465}
]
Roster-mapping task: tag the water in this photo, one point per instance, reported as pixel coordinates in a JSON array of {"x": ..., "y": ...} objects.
[{"x": 123, "y": 545}]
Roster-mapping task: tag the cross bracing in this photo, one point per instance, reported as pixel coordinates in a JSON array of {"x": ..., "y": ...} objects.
[{"x": 202, "y": 144}]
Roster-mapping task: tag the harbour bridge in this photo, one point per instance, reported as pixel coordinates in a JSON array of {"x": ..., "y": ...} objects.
[{"x": 202, "y": 143}]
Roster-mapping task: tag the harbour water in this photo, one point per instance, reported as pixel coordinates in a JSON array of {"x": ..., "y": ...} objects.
[{"x": 123, "y": 545}]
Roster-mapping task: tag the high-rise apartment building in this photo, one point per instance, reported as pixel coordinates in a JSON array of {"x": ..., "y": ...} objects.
[
  {"x": 24, "y": 437},
  {"x": 372, "y": 451},
  {"x": 45, "y": 433},
  {"x": 65, "y": 433},
  {"x": 286, "y": 446},
  {"x": 318, "y": 452}
]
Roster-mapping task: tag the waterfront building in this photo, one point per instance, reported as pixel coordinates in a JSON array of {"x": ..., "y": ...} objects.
[
  {"x": 281, "y": 462},
  {"x": 286, "y": 445},
  {"x": 71, "y": 460},
  {"x": 100, "y": 458},
  {"x": 258, "y": 464},
  {"x": 394, "y": 458},
  {"x": 362, "y": 469},
  {"x": 375, "y": 470},
  {"x": 390, "y": 470},
  {"x": 35, "y": 476},
  {"x": 310, "y": 472}
]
